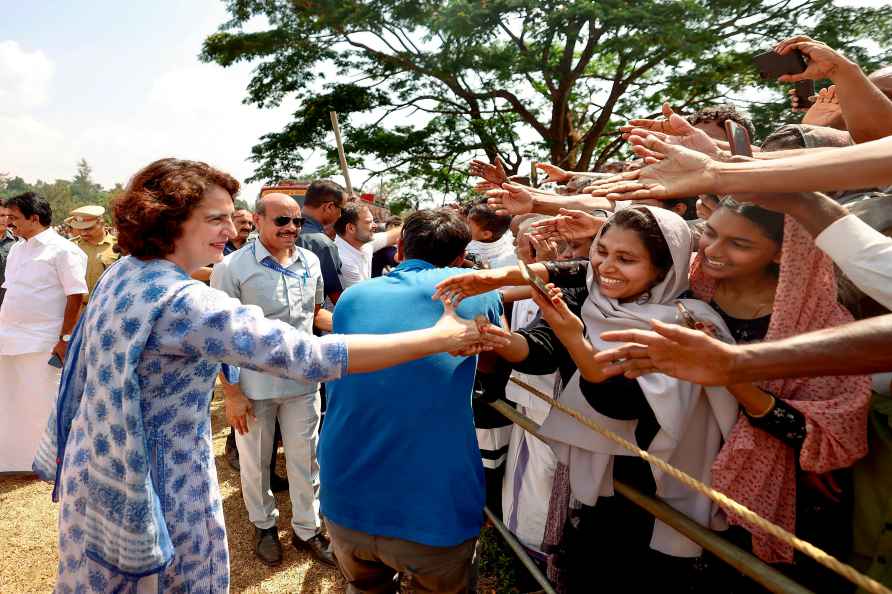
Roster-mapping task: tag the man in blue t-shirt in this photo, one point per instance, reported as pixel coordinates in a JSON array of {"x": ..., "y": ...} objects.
[{"x": 401, "y": 479}]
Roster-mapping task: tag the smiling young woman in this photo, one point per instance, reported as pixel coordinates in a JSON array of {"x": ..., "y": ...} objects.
[
  {"x": 763, "y": 273},
  {"x": 638, "y": 270}
]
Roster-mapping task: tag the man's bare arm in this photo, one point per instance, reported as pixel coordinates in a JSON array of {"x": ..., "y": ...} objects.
[
  {"x": 551, "y": 204},
  {"x": 856, "y": 348},
  {"x": 813, "y": 210},
  {"x": 852, "y": 167},
  {"x": 73, "y": 306},
  {"x": 322, "y": 319},
  {"x": 866, "y": 110}
]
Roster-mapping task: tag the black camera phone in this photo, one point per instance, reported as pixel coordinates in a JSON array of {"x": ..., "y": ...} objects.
[{"x": 771, "y": 65}]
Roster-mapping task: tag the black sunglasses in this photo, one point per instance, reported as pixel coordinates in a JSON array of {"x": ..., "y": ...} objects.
[{"x": 283, "y": 220}]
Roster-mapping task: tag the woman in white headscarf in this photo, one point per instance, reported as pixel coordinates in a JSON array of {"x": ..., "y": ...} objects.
[{"x": 639, "y": 269}]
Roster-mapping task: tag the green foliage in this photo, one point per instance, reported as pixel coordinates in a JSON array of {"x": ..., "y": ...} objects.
[
  {"x": 63, "y": 195},
  {"x": 422, "y": 86},
  {"x": 397, "y": 206}
]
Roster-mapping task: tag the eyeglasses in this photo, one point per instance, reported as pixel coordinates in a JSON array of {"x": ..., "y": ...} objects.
[{"x": 283, "y": 220}]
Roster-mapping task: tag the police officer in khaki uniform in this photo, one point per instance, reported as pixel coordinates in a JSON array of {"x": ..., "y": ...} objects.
[{"x": 94, "y": 241}]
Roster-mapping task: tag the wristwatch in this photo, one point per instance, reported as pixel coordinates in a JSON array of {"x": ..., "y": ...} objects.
[{"x": 65, "y": 338}]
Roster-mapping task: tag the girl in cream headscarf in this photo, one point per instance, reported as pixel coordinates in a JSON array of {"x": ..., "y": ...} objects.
[{"x": 639, "y": 269}]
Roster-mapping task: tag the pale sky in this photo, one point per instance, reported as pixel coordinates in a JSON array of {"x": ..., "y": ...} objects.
[{"x": 119, "y": 83}]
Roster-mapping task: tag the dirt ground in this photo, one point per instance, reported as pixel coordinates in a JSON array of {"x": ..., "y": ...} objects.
[{"x": 28, "y": 537}]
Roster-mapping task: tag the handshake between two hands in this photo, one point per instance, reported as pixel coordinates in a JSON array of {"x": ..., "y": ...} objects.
[{"x": 469, "y": 337}]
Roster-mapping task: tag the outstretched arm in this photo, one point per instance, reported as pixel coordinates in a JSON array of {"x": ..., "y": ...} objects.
[
  {"x": 205, "y": 322},
  {"x": 515, "y": 199},
  {"x": 866, "y": 110},
  {"x": 856, "y": 348},
  {"x": 676, "y": 172}
]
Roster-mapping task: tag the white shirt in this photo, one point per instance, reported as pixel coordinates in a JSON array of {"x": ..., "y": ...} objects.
[
  {"x": 494, "y": 254},
  {"x": 863, "y": 253},
  {"x": 356, "y": 264},
  {"x": 40, "y": 273},
  {"x": 524, "y": 314}
]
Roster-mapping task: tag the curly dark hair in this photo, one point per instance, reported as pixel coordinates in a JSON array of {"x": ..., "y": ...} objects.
[
  {"x": 720, "y": 113},
  {"x": 150, "y": 212}
]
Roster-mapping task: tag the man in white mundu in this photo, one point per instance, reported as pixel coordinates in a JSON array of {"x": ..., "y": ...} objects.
[{"x": 45, "y": 286}]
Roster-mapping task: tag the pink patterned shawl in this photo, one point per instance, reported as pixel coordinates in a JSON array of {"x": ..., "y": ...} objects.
[{"x": 755, "y": 468}]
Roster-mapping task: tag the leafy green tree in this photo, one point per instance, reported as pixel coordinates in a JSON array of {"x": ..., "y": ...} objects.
[
  {"x": 420, "y": 85},
  {"x": 60, "y": 196},
  {"x": 83, "y": 187},
  {"x": 398, "y": 206},
  {"x": 12, "y": 186},
  {"x": 63, "y": 195}
]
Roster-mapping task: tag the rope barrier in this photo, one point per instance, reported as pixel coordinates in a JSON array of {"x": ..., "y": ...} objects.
[
  {"x": 806, "y": 548},
  {"x": 740, "y": 559}
]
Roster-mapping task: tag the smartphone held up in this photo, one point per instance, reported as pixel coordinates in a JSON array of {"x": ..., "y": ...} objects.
[
  {"x": 533, "y": 279},
  {"x": 738, "y": 139},
  {"x": 772, "y": 65}
]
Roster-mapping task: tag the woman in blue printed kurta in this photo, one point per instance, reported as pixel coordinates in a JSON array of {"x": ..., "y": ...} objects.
[
  {"x": 193, "y": 325},
  {"x": 129, "y": 444}
]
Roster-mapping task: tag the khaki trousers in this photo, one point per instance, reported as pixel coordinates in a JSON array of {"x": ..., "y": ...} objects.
[{"x": 371, "y": 564}]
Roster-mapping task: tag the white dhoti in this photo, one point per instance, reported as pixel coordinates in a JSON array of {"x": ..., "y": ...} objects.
[
  {"x": 529, "y": 470},
  {"x": 28, "y": 388}
]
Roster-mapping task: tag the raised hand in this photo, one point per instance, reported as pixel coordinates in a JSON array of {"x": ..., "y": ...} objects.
[
  {"x": 491, "y": 172},
  {"x": 664, "y": 125},
  {"x": 674, "y": 129},
  {"x": 458, "y": 287},
  {"x": 672, "y": 172},
  {"x": 823, "y": 60},
  {"x": 568, "y": 225},
  {"x": 546, "y": 249},
  {"x": 524, "y": 249},
  {"x": 825, "y": 111},
  {"x": 553, "y": 173},
  {"x": 485, "y": 186},
  {"x": 511, "y": 199},
  {"x": 686, "y": 354},
  {"x": 555, "y": 311}
]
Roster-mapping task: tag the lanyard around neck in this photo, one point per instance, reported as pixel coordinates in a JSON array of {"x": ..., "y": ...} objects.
[{"x": 270, "y": 263}]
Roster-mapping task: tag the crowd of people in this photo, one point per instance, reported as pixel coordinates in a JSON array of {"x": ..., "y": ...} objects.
[{"x": 727, "y": 314}]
